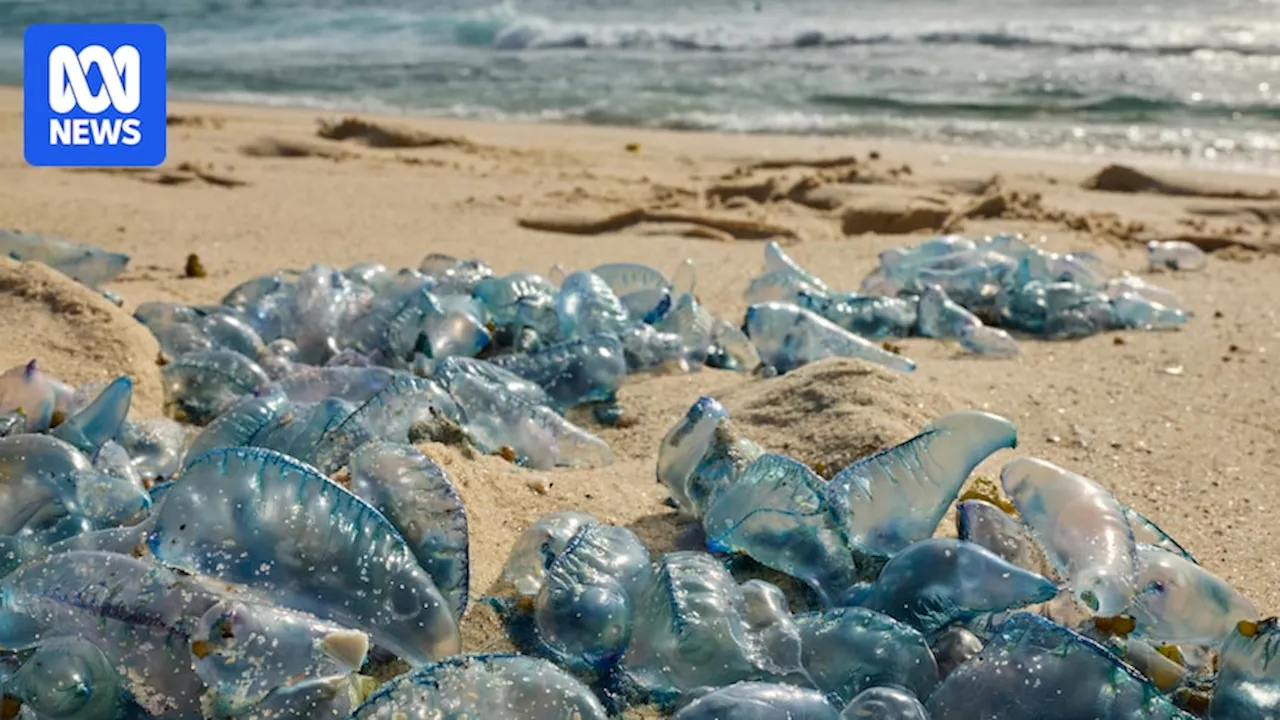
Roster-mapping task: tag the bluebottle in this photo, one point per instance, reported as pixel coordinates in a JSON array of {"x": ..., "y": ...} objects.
[
  {"x": 90, "y": 428},
  {"x": 645, "y": 347},
  {"x": 453, "y": 276},
  {"x": 693, "y": 628},
  {"x": 540, "y": 438},
  {"x": 31, "y": 396},
  {"x": 131, "y": 610},
  {"x": 940, "y": 316},
  {"x": 244, "y": 652},
  {"x": 417, "y": 496},
  {"x": 586, "y": 304},
  {"x": 243, "y": 423},
  {"x": 1141, "y": 313},
  {"x": 691, "y": 322},
  {"x": 1248, "y": 684},
  {"x": 759, "y": 701},
  {"x": 847, "y": 651},
  {"x": 72, "y": 679},
  {"x": 584, "y": 609},
  {"x": 580, "y": 371},
  {"x": 871, "y": 316},
  {"x": 731, "y": 349},
  {"x": 830, "y": 534},
  {"x": 625, "y": 278},
  {"x": 393, "y": 414},
  {"x": 233, "y": 511},
  {"x": 325, "y": 698},
  {"x": 459, "y": 329},
  {"x": 774, "y": 513},
  {"x": 520, "y": 300},
  {"x": 448, "y": 368},
  {"x": 895, "y": 497},
  {"x": 1147, "y": 532},
  {"x": 537, "y": 547},
  {"x": 86, "y": 264},
  {"x": 787, "y": 336},
  {"x": 988, "y": 525},
  {"x": 1178, "y": 602},
  {"x": 884, "y": 703},
  {"x": 939, "y": 581},
  {"x": 644, "y": 291},
  {"x": 307, "y": 383},
  {"x": 701, "y": 456},
  {"x": 696, "y": 627},
  {"x": 953, "y": 647},
  {"x": 493, "y": 687},
  {"x": 784, "y": 286},
  {"x": 685, "y": 444},
  {"x": 202, "y": 385},
  {"x": 776, "y": 260},
  {"x": 50, "y": 491},
  {"x": 1082, "y": 528},
  {"x": 1033, "y": 669}
]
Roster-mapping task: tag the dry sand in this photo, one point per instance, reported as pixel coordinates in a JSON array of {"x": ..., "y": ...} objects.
[{"x": 1184, "y": 426}]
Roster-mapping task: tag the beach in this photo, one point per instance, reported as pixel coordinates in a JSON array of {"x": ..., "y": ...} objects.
[{"x": 1184, "y": 426}]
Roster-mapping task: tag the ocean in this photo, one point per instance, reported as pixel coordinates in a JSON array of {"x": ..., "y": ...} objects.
[{"x": 1190, "y": 80}]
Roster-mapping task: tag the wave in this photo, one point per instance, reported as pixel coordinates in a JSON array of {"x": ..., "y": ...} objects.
[
  {"x": 502, "y": 31},
  {"x": 1116, "y": 107}
]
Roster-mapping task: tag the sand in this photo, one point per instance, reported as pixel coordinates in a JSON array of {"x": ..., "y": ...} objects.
[
  {"x": 75, "y": 334},
  {"x": 1184, "y": 426}
]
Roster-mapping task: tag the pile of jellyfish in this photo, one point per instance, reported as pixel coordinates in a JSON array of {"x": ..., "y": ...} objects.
[
  {"x": 267, "y": 548},
  {"x": 156, "y": 570},
  {"x": 444, "y": 350},
  {"x": 969, "y": 291},
  {"x": 449, "y": 350},
  {"x": 1048, "y": 599},
  {"x": 151, "y": 569}
]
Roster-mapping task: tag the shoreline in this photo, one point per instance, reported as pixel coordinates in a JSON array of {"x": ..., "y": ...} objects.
[
  {"x": 816, "y": 142},
  {"x": 1163, "y": 161}
]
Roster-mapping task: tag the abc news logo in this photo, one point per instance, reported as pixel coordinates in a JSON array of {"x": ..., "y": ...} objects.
[
  {"x": 94, "y": 95},
  {"x": 121, "y": 90}
]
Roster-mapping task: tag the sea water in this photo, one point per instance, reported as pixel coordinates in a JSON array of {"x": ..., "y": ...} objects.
[{"x": 1188, "y": 79}]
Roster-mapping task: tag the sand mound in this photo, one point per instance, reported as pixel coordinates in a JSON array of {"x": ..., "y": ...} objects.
[
  {"x": 813, "y": 192},
  {"x": 760, "y": 192},
  {"x": 281, "y": 148},
  {"x": 893, "y": 216},
  {"x": 833, "y": 412},
  {"x": 1265, "y": 214},
  {"x": 377, "y": 135},
  {"x": 74, "y": 333},
  {"x": 1124, "y": 179}
]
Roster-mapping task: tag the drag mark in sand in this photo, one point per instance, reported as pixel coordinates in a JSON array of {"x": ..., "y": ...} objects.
[{"x": 182, "y": 174}]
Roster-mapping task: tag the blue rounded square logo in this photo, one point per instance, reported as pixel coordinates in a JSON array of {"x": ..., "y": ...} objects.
[{"x": 93, "y": 95}]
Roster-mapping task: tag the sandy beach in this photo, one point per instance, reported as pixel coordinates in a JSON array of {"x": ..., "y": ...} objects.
[{"x": 1184, "y": 426}]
